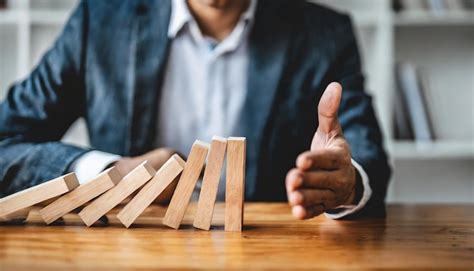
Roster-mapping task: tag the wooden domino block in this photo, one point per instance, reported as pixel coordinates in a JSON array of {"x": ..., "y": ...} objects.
[
  {"x": 192, "y": 169},
  {"x": 81, "y": 195},
  {"x": 235, "y": 184},
  {"x": 210, "y": 184},
  {"x": 163, "y": 177},
  {"x": 37, "y": 194},
  {"x": 18, "y": 215},
  {"x": 129, "y": 184}
]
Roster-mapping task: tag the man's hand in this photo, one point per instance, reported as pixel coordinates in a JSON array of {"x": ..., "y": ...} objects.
[
  {"x": 324, "y": 177},
  {"x": 156, "y": 158}
]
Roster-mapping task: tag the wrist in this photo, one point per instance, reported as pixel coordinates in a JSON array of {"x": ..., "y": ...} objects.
[
  {"x": 353, "y": 196},
  {"x": 125, "y": 165},
  {"x": 351, "y": 199},
  {"x": 164, "y": 154},
  {"x": 358, "y": 189}
]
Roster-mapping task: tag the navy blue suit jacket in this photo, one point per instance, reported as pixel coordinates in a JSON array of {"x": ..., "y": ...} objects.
[{"x": 108, "y": 64}]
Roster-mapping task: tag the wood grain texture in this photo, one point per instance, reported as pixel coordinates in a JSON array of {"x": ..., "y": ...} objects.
[
  {"x": 150, "y": 191},
  {"x": 80, "y": 195},
  {"x": 21, "y": 214},
  {"x": 37, "y": 194},
  {"x": 235, "y": 184},
  {"x": 187, "y": 182},
  {"x": 412, "y": 237},
  {"x": 129, "y": 184},
  {"x": 210, "y": 183}
]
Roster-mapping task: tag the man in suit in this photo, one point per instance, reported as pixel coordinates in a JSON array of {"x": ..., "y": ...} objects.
[{"x": 151, "y": 76}]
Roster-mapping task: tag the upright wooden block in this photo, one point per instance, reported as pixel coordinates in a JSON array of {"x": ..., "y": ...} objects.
[
  {"x": 210, "y": 184},
  {"x": 192, "y": 169},
  {"x": 79, "y": 196},
  {"x": 129, "y": 184},
  {"x": 37, "y": 194},
  {"x": 163, "y": 177},
  {"x": 235, "y": 184}
]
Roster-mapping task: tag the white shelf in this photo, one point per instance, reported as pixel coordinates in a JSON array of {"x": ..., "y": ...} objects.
[
  {"x": 361, "y": 18},
  {"x": 35, "y": 17},
  {"x": 369, "y": 19},
  {"x": 11, "y": 17},
  {"x": 43, "y": 17},
  {"x": 431, "y": 150},
  {"x": 426, "y": 18}
]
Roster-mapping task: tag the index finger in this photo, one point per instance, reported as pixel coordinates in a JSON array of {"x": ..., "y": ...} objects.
[{"x": 329, "y": 159}]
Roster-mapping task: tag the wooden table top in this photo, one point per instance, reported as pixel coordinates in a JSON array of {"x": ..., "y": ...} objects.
[{"x": 419, "y": 236}]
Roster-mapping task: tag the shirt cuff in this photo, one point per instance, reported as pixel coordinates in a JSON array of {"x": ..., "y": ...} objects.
[
  {"x": 350, "y": 209},
  {"x": 90, "y": 164}
]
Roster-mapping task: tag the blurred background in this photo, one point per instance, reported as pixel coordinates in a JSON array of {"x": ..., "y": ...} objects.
[{"x": 418, "y": 58}]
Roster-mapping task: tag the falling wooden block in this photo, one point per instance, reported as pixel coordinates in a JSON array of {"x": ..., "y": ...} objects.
[
  {"x": 37, "y": 194},
  {"x": 192, "y": 169},
  {"x": 81, "y": 195},
  {"x": 235, "y": 184},
  {"x": 129, "y": 184},
  {"x": 210, "y": 184},
  {"x": 163, "y": 177},
  {"x": 18, "y": 215}
]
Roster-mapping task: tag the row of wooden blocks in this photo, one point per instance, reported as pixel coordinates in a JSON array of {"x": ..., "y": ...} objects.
[{"x": 109, "y": 189}]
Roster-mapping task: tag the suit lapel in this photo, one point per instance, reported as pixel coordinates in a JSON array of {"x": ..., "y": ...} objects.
[
  {"x": 268, "y": 44},
  {"x": 151, "y": 43}
]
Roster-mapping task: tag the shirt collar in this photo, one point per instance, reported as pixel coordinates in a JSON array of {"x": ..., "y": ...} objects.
[{"x": 180, "y": 16}]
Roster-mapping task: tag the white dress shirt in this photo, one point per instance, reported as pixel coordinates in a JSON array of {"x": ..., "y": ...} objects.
[
  {"x": 203, "y": 93},
  {"x": 204, "y": 85}
]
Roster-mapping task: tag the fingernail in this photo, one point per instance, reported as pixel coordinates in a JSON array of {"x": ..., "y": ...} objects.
[
  {"x": 295, "y": 182},
  {"x": 296, "y": 198},
  {"x": 303, "y": 162},
  {"x": 298, "y": 181},
  {"x": 298, "y": 212}
]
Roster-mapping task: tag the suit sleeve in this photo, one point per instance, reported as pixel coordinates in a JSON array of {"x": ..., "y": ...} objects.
[
  {"x": 359, "y": 124},
  {"x": 38, "y": 111}
]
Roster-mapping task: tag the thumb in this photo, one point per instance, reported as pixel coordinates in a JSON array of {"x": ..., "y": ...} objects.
[{"x": 328, "y": 107}]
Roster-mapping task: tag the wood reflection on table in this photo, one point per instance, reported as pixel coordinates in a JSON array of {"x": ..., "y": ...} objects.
[{"x": 413, "y": 236}]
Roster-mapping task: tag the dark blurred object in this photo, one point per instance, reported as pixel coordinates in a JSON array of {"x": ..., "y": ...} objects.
[
  {"x": 52, "y": 4},
  {"x": 403, "y": 5},
  {"x": 469, "y": 4},
  {"x": 3, "y": 4},
  {"x": 412, "y": 117},
  {"x": 436, "y": 6}
]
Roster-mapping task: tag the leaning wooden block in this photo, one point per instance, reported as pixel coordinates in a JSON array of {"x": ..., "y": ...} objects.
[
  {"x": 81, "y": 195},
  {"x": 37, "y": 194},
  {"x": 235, "y": 184},
  {"x": 210, "y": 184},
  {"x": 129, "y": 184},
  {"x": 163, "y": 177},
  {"x": 192, "y": 169},
  {"x": 18, "y": 215}
]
